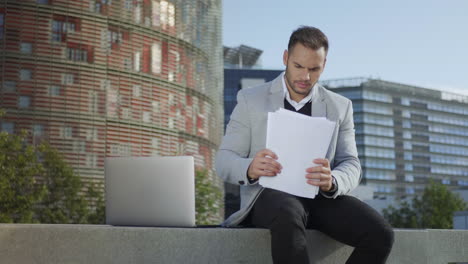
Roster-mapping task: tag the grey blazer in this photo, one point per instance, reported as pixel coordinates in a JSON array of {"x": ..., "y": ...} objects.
[{"x": 246, "y": 135}]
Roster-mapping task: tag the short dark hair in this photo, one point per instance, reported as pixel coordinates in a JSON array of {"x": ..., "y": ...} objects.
[{"x": 310, "y": 37}]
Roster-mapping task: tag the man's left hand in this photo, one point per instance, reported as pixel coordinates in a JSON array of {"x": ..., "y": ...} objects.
[{"x": 320, "y": 175}]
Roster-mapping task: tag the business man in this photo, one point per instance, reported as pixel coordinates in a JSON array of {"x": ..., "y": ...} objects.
[{"x": 242, "y": 159}]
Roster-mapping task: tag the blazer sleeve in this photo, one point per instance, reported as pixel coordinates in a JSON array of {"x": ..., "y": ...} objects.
[
  {"x": 232, "y": 160},
  {"x": 346, "y": 167}
]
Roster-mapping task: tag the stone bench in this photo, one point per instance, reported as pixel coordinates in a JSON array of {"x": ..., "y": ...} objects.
[{"x": 28, "y": 243}]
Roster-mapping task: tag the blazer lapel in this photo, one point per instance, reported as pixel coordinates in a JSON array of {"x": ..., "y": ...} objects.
[
  {"x": 319, "y": 106},
  {"x": 276, "y": 96}
]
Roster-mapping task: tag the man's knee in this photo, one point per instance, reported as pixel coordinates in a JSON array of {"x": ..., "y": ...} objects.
[
  {"x": 382, "y": 237},
  {"x": 388, "y": 236},
  {"x": 291, "y": 214}
]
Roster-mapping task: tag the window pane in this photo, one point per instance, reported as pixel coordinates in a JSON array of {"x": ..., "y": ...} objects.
[
  {"x": 24, "y": 101},
  {"x": 26, "y": 48},
  {"x": 25, "y": 75}
]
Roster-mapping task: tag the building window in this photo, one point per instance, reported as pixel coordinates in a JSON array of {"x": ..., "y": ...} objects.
[
  {"x": 91, "y": 160},
  {"x": 115, "y": 37},
  {"x": 79, "y": 146},
  {"x": 156, "y": 58},
  {"x": 44, "y": 2},
  {"x": 410, "y": 190},
  {"x": 125, "y": 113},
  {"x": 68, "y": 78},
  {"x": 136, "y": 90},
  {"x": 102, "y": 6},
  {"x": 38, "y": 130},
  {"x": 8, "y": 127},
  {"x": 155, "y": 13},
  {"x": 77, "y": 54},
  {"x": 92, "y": 133},
  {"x": 54, "y": 90},
  {"x": 26, "y": 48},
  {"x": 175, "y": 61},
  {"x": 66, "y": 132},
  {"x": 93, "y": 101},
  {"x": 9, "y": 86},
  {"x": 127, "y": 64},
  {"x": 155, "y": 105},
  {"x": 61, "y": 27},
  {"x": 128, "y": 4},
  {"x": 167, "y": 14},
  {"x": 155, "y": 146},
  {"x": 25, "y": 75},
  {"x": 24, "y": 101},
  {"x": 137, "y": 12},
  {"x": 146, "y": 117},
  {"x": 136, "y": 61}
]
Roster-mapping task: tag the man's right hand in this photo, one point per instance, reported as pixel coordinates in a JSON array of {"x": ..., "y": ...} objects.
[{"x": 264, "y": 164}]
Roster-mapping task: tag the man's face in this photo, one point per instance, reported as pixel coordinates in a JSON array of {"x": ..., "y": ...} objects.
[{"x": 303, "y": 69}]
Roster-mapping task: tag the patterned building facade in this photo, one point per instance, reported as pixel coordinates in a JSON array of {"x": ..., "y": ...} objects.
[
  {"x": 407, "y": 135},
  {"x": 99, "y": 78}
]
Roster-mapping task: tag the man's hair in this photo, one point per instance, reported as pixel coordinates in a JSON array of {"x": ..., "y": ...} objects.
[{"x": 310, "y": 37}]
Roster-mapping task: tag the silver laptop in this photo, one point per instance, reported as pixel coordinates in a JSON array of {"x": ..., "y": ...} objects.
[{"x": 150, "y": 191}]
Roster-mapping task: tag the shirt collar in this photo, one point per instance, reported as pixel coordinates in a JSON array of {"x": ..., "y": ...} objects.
[{"x": 297, "y": 105}]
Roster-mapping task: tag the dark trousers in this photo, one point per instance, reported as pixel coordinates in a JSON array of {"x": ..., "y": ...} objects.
[{"x": 345, "y": 219}]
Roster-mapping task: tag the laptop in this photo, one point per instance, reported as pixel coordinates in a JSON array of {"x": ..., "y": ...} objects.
[{"x": 150, "y": 191}]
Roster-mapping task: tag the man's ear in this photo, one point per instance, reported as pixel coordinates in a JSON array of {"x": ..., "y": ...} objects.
[{"x": 285, "y": 57}]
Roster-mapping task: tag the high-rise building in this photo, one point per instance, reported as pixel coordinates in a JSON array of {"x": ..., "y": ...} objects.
[
  {"x": 407, "y": 135},
  {"x": 99, "y": 78}
]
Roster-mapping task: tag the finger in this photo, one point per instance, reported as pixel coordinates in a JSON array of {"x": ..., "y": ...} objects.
[
  {"x": 263, "y": 172},
  {"x": 267, "y": 152},
  {"x": 318, "y": 183},
  {"x": 272, "y": 162},
  {"x": 319, "y": 177},
  {"x": 319, "y": 168},
  {"x": 270, "y": 167},
  {"x": 323, "y": 162},
  {"x": 265, "y": 160}
]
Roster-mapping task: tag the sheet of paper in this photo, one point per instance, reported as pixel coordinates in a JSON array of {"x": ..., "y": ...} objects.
[{"x": 297, "y": 139}]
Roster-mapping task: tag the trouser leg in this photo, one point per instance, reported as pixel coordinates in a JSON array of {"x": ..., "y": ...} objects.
[
  {"x": 286, "y": 217},
  {"x": 355, "y": 223}
]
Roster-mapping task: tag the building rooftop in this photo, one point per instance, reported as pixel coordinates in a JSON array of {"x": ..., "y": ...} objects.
[
  {"x": 240, "y": 57},
  {"x": 369, "y": 82}
]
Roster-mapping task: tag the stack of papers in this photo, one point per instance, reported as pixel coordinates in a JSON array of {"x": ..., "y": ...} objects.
[{"x": 297, "y": 140}]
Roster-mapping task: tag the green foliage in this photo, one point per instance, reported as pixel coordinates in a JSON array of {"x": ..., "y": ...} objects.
[
  {"x": 208, "y": 199},
  {"x": 36, "y": 185},
  {"x": 18, "y": 189},
  {"x": 434, "y": 209}
]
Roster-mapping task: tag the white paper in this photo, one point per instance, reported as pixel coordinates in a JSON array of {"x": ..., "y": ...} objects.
[{"x": 297, "y": 140}]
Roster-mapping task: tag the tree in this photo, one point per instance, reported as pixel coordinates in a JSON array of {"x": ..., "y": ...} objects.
[
  {"x": 19, "y": 192},
  {"x": 434, "y": 209},
  {"x": 37, "y": 185},
  {"x": 208, "y": 199},
  {"x": 63, "y": 201}
]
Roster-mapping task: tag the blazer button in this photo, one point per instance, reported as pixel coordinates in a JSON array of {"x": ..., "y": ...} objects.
[{"x": 241, "y": 182}]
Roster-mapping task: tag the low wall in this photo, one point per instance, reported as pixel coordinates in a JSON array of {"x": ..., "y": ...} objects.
[{"x": 107, "y": 244}]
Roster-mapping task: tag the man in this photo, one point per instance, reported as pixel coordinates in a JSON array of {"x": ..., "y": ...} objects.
[{"x": 242, "y": 159}]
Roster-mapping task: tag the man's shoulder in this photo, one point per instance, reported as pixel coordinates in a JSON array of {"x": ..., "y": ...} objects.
[
  {"x": 259, "y": 90},
  {"x": 333, "y": 96}
]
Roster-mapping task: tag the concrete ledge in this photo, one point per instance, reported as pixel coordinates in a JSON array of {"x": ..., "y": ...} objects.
[{"x": 107, "y": 244}]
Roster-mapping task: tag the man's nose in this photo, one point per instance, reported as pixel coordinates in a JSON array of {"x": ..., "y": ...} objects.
[{"x": 305, "y": 76}]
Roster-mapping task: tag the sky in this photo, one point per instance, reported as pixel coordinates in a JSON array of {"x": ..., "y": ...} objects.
[{"x": 414, "y": 42}]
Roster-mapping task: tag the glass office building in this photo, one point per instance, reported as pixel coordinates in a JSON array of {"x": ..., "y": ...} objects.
[
  {"x": 99, "y": 78},
  {"x": 407, "y": 135}
]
